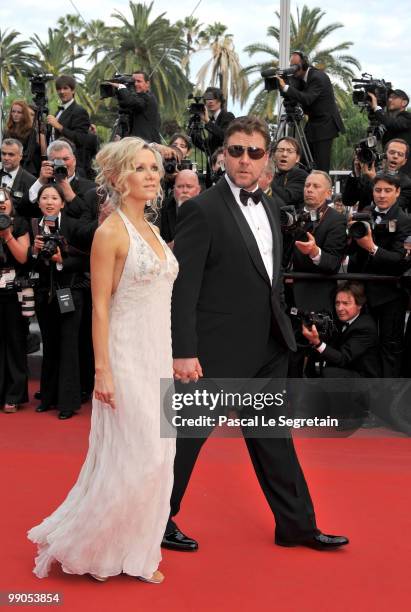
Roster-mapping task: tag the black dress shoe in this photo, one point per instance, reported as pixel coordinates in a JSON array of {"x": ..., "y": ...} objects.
[
  {"x": 66, "y": 414},
  {"x": 43, "y": 408},
  {"x": 319, "y": 541},
  {"x": 37, "y": 395},
  {"x": 176, "y": 540}
]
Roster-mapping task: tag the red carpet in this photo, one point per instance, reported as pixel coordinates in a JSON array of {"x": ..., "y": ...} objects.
[{"x": 360, "y": 485}]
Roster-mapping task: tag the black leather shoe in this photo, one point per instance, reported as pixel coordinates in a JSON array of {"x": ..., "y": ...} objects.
[
  {"x": 176, "y": 540},
  {"x": 319, "y": 541},
  {"x": 63, "y": 415},
  {"x": 37, "y": 395},
  {"x": 43, "y": 408}
]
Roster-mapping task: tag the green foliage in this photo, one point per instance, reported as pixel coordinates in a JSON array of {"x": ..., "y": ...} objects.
[{"x": 356, "y": 124}]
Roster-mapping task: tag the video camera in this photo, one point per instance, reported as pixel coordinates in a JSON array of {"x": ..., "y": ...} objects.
[
  {"x": 362, "y": 221},
  {"x": 322, "y": 320},
  {"x": 108, "y": 91},
  {"x": 38, "y": 90},
  {"x": 195, "y": 110},
  {"x": 269, "y": 74},
  {"x": 367, "y": 84}
]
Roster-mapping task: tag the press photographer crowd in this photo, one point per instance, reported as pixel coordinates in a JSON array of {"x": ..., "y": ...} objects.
[{"x": 346, "y": 246}]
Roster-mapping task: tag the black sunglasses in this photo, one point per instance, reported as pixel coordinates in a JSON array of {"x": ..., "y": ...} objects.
[{"x": 239, "y": 150}]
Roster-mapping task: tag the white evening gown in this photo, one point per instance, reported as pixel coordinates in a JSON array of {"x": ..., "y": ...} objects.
[{"x": 114, "y": 517}]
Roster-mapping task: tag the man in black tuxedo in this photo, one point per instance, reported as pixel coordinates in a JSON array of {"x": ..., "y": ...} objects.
[
  {"x": 359, "y": 186},
  {"x": 73, "y": 186},
  {"x": 72, "y": 120},
  {"x": 13, "y": 176},
  {"x": 312, "y": 89},
  {"x": 396, "y": 120},
  {"x": 289, "y": 178},
  {"x": 380, "y": 250},
  {"x": 186, "y": 186},
  {"x": 228, "y": 322},
  {"x": 142, "y": 107}
]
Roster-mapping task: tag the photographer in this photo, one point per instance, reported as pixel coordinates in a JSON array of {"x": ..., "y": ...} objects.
[
  {"x": 319, "y": 245},
  {"x": 13, "y": 176},
  {"x": 186, "y": 186},
  {"x": 72, "y": 120},
  {"x": 396, "y": 120},
  {"x": 359, "y": 186},
  {"x": 183, "y": 143},
  {"x": 216, "y": 121},
  {"x": 59, "y": 303},
  {"x": 312, "y": 89},
  {"x": 14, "y": 244},
  {"x": 289, "y": 179},
  {"x": 378, "y": 248},
  {"x": 61, "y": 167},
  {"x": 142, "y": 107}
]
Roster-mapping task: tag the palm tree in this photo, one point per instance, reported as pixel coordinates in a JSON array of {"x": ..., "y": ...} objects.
[
  {"x": 306, "y": 36},
  {"x": 98, "y": 36},
  {"x": 14, "y": 59},
  {"x": 224, "y": 65},
  {"x": 190, "y": 29},
  {"x": 54, "y": 55},
  {"x": 156, "y": 47},
  {"x": 72, "y": 28}
]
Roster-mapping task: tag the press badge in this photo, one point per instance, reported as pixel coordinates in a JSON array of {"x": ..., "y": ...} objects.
[
  {"x": 65, "y": 300},
  {"x": 392, "y": 225}
]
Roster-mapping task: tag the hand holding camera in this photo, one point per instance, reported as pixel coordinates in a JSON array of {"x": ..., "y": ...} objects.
[{"x": 308, "y": 247}]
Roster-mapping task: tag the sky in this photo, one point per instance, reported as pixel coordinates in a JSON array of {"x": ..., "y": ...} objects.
[{"x": 381, "y": 39}]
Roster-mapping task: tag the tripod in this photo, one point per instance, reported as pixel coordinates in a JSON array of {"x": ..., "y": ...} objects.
[
  {"x": 197, "y": 133},
  {"x": 290, "y": 125},
  {"x": 121, "y": 127}
]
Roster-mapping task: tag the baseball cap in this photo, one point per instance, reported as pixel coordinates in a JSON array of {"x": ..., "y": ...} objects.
[{"x": 399, "y": 93}]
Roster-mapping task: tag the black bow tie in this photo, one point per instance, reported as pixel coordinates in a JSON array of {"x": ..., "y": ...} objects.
[
  {"x": 377, "y": 213},
  {"x": 5, "y": 173},
  {"x": 61, "y": 108},
  {"x": 254, "y": 195}
]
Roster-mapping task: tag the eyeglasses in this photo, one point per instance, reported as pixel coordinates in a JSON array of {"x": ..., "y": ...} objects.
[
  {"x": 239, "y": 150},
  {"x": 289, "y": 151},
  {"x": 393, "y": 152}
]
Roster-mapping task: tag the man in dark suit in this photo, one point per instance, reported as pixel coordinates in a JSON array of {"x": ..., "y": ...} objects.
[
  {"x": 396, "y": 120},
  {"x": 312, "y": 89},
  {"x": 142, "y": 107},
  {"x": 289, "y": 178},
  {"x": 72, "y": 120},
  {"x": 228, "y": 322},
  {"x": 320, "y": 251},
  {"x": 12, "y": 175},
  {"x": 186, "y": 186},
  {"x": 381, "y": 251},
  {"x": 73, "y": 186},
  {"x": 359, "y": 186}
]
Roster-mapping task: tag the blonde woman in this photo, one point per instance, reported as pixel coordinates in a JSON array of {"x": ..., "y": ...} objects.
[{"x": 113, "y": 519}]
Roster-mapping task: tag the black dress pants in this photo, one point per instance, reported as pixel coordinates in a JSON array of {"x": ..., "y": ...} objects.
[
  {"x": 321, "y": 152},
  {"x": 60, "y": 371},
  {"x": 13, "y": 359},
  {"x": 276, "y": 466},
  {"x": 390, "y": 318}
]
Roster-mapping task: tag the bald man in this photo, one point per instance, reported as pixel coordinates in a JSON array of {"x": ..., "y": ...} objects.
[{"x": 186, "y": 186}]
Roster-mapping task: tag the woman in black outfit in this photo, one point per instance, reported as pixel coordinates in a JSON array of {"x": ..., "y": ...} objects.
[{"x": 14, "y": 245}]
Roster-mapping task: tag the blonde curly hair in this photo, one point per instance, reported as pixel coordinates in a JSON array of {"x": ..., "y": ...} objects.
[{"x": 116, "y": 161}]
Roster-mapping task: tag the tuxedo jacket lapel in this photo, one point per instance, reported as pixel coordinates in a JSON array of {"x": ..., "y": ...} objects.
[{"x": 244, "y": 228}]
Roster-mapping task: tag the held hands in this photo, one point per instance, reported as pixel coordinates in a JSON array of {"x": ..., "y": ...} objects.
[
  {"x": 281, "y": 82},
  {"x": 311, "y": 334},
  {"x": 38, "y": 244},
  {"x": 373, "y": 101},
  {"x": 366, "y": 242},
  {"x": 368, "y": 170},
  {"x": 104, "y": 387},
  {"x": 46, "y": 172},
  {"x": 309, "y": 247},
  {"x": 57, "y": 258},
  {"x": 187, "y": 370}
]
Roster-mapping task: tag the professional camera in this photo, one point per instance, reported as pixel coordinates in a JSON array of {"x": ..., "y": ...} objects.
[
  {"x": 173, "y": 165},
  {"x": 269, "y": 74},
  {"x": 322, "y": 320},
  {"x": 52, "y": 240},
  {"x": 367, "y": 153},
  {"x": 60, "y": 171},
  {"x": 293, "y": 220},
  {"x": 108, "y": 91},
  {"x": 195, "y": 110},
  {"x": 362, "y": 221},
  {"x": 25, "y": 293},
  {"x": 367, "y": 84}
]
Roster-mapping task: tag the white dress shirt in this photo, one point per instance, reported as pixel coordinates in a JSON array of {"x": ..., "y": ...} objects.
[{"x": 257, "y": 220}]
